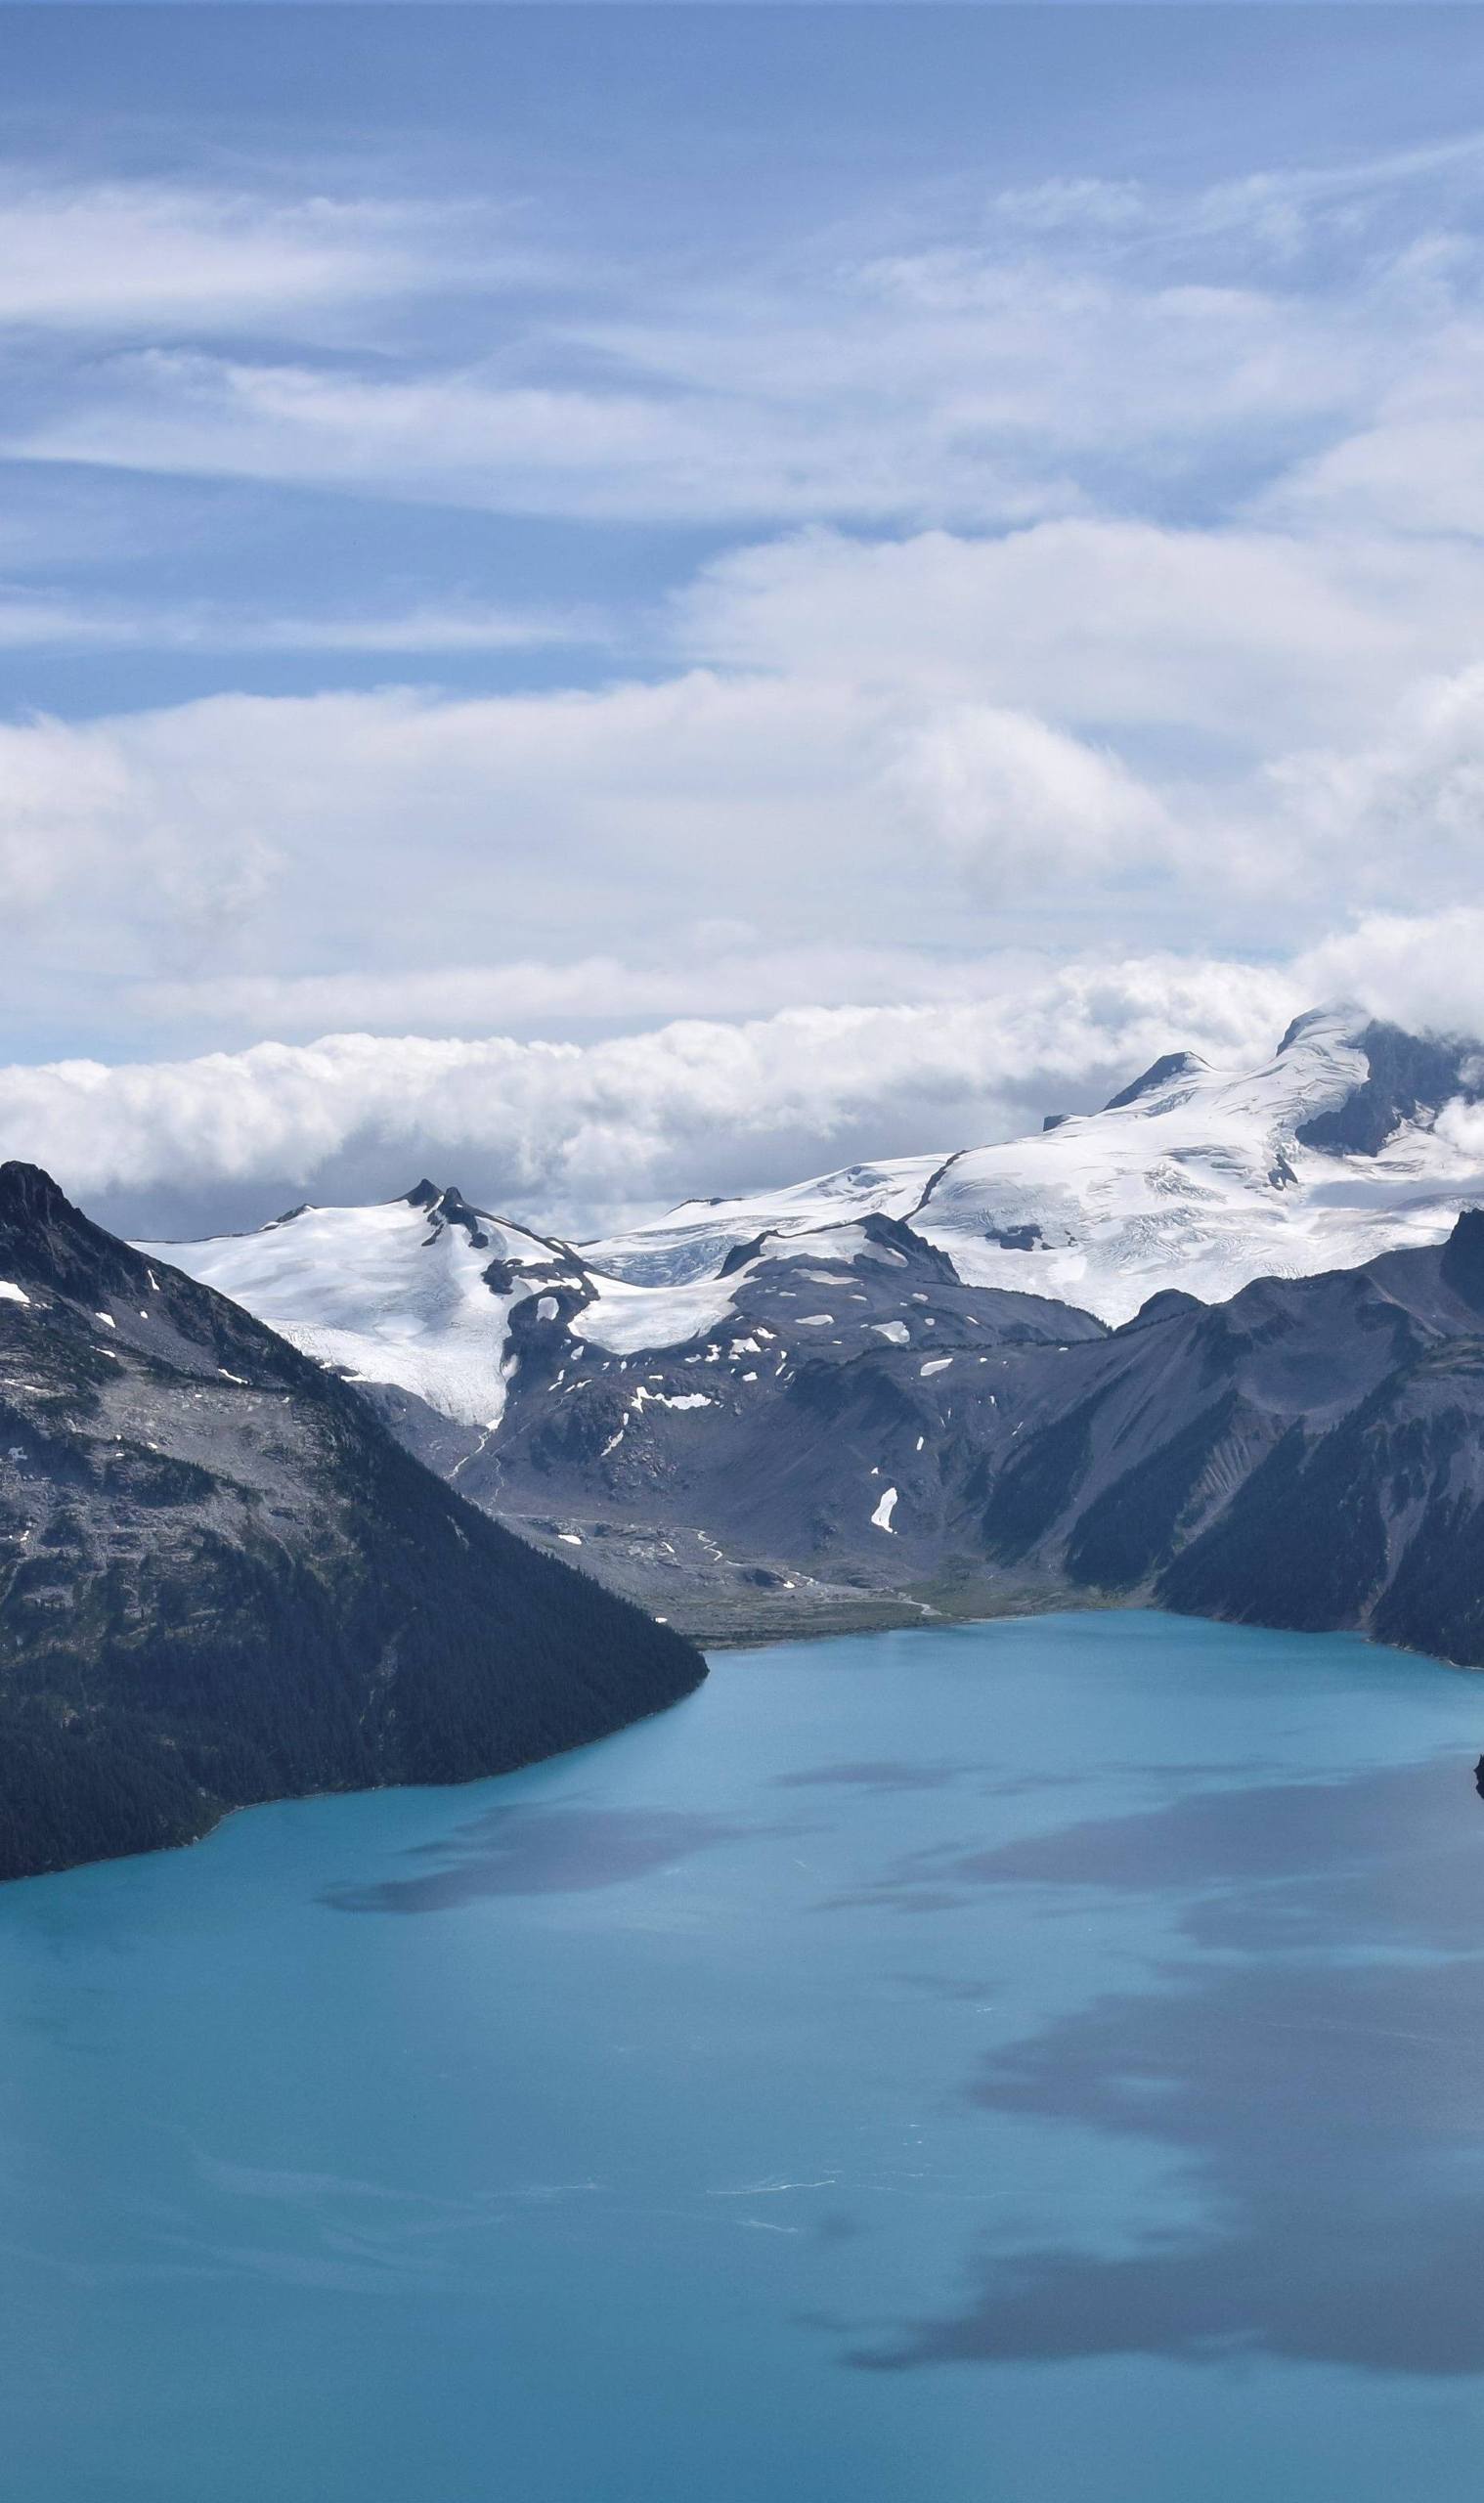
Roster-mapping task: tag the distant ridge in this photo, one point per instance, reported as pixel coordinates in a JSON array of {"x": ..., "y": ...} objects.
[{"x": 714, "y": 1408}]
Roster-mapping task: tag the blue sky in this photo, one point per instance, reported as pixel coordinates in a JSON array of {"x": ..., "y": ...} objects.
[{"x": 634, "y": 601}]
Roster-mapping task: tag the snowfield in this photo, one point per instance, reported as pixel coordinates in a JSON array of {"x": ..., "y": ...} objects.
[
  {"x": 1199, "y": 1181},
  {"x": 387, "y": 1294},
  {"x": 1193, "y": 1177}
]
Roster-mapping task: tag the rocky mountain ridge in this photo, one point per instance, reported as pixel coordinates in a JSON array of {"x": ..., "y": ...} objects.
[
  {"x": 846, "y": 1409},
  {"x": 222, "y": 1581}
]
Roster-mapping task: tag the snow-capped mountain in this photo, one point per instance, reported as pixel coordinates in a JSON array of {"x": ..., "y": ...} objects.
[
  {"x": 422, "y": 1293},
  {"x": 418, "y": 1292},
  {"x": 1192, "y": 1177},
  {"x": 784, "y": 1406}
]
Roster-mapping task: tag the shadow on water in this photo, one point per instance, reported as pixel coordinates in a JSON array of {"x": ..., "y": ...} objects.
[
  {"x": 1395, "y": 1853},
  {"x": 540, "y": 1850},
  {"x": 887, "y": 1774},
  {"x": 1317, "y": 2068}
]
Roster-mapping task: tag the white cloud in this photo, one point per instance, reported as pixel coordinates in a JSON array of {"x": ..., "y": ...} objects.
[
  {"x": 999, "y": 368},
  {"x": 108, "y": 256},
  {"x": 1253, "y": 635},
  {"x": 1404, "y": 811},
  {"x": 1464, "y": 1124},
  {"x": 697, "y": 1104},
  {"x": 889, "y": 757},
  {"x": 578, "y": 1134},
  {"x": 1077, "y": 202},
  {"x": 1405, "y": 474},
  {"x": 1424, "y": 971},
  {"x": 715, "y": 970},
  {"x": 314, "y": 858},
  {"x": 641, "y": 448},
  {"x": 32, "y": 623},
  {"x": 422, "y": 826},
  {"x": 1017, "y": 802}
]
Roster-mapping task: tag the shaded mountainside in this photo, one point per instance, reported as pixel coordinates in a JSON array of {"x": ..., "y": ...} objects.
[
  {"x": 1310, "y": 1453},
  {"x": 222, "y": 1581},
  {"x": 731, "y": 1480},
  {"x": 844, "y": 1431}
]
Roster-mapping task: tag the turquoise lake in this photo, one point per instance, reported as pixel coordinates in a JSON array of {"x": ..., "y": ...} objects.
[{"x": 1039, "y": 2062}]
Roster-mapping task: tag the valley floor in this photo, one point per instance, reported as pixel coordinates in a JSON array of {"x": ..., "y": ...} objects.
[{"x": 684, "y": 1578}]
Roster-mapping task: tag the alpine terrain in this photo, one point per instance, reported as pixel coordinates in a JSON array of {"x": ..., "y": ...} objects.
[{"x": 1218, "y": 1345}]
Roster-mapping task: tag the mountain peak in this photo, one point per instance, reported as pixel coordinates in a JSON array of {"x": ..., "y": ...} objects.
[
  {"x": 45, "y": 1241},
  {"x": 1408, "y": 1079},
  {"x": 442, "y": 1199},
  {"x": 29, "y": 1196},
  {"x": 1160, "y": 1073},
  {"x": 1462, "y": 1263},
  {"x": 1344, "y": 1015}
]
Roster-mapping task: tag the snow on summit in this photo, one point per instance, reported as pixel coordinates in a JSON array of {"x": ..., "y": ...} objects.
[
  {"x": 1204, "y": 1178},
  {"x": 416, "y": 1292},
  {"x": 1192, "y": 1177}
]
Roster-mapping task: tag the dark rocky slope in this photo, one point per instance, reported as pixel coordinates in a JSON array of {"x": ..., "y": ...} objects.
[
  {"x": 730, "y": 1481},
  {"x": 1310, "y": 1453},
  {"x": 221, "y": 1581}
]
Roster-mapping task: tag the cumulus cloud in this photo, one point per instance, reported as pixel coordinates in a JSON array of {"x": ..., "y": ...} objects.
[
  {"x": 1406, "y": 804},
  {"x": 1424, "y": 971},
  {"x": 1018, "y": 801},
  {"x": 402, "y": 856},
  {"x": 989, "y": 695},
  {"x": 1464, "y": 1124},
  {"x": 1408, "y": 473},
  {"x": 538, "y": 815},
  {"x": 579, "y": 1135},
  {"x": 409, "y": 823},
  {"x": 566, "y": 1127},
  {"x": 1251, "y": 635}
]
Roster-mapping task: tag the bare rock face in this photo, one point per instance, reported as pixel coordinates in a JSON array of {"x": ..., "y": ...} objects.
[{"x": 222, "y": 1581}]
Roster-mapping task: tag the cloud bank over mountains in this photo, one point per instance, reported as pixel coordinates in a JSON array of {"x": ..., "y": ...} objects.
[
  {"x": 579, "y": 1128},
  {"x": 585, "y": 1133},
  {"x": 819, "y": 688}
]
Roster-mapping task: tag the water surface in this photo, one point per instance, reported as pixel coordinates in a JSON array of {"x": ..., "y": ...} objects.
[{"x": 1008, "y": 2064}]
